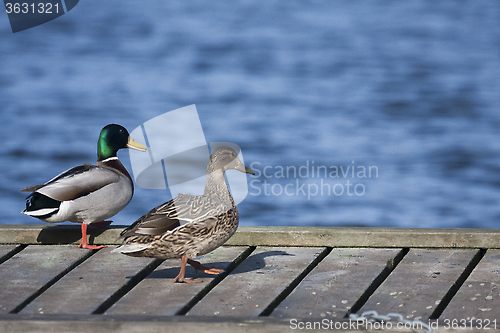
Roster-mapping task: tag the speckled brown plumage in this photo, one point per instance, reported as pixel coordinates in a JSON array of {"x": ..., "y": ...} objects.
[{"x": 189, "y": 226}]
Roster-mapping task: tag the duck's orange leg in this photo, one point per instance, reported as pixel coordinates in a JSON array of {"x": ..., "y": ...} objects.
[
  {"x": 180, "y": 277},
  {"x": 84, "y": 244}
]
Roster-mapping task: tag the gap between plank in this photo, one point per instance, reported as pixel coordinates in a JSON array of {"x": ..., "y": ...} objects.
[
  {"x": 391, "y": 265},
  {"x": 270, "y": 308},
  {"x": 49, "y": 284},
  {"x": 13, "y": 252},
  {"x": 129, "y": 285},
  {"x": 211, "y": 285},
  {"x": 458, "y": 284}
]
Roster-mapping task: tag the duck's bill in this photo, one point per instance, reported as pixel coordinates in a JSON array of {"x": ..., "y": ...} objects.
[
  {"x": 135, "y": 145},
  {"x": 240, "y": 167},
  {"x": 250, "y": 171}
]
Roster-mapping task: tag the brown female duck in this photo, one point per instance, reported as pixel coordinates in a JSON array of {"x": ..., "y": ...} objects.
[{"x": 189, "y": 226}]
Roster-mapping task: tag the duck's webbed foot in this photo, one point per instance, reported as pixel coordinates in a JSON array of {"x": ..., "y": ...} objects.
[
  {"x": 199, "y": 267},
  {"x": 84, "y": 244},
  {"x": 181, "y": 277}
]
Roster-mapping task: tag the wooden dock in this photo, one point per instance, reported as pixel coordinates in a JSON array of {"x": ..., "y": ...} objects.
[{"x": 276, "y": 279}]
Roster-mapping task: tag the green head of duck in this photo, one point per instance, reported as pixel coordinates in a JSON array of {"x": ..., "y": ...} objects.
[{"x": 113, "y": 138}]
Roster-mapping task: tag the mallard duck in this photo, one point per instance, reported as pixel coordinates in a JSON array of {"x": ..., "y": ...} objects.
[
  {"x": 189, "y": 226},
  {"x": 87, "y": 193}
]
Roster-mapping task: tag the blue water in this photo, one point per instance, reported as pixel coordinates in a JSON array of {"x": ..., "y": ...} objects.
[{"x": 410, "y": 89}]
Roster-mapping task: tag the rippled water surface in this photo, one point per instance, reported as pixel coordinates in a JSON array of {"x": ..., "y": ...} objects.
[{"x": 407, "y": 90}]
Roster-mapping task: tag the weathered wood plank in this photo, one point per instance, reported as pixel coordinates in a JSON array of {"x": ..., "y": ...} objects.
[
  {"x": 5, "y": 249},
  {"x": 479, "y": 297},
  {"x": 419, "y": 282},
  {"x": 159, "y": 295},
  {"x": 149, "y": 324},
  {"x": 279, "y": 236},
  {"x": 30, "y": 269},
  {"x": 50, "y": 234},
  {"x": 256, "y": 282},
  {"x": 83, "y": 289},
  {"x": 335, "y": 284},
  {"x": 183, "y": 324}
]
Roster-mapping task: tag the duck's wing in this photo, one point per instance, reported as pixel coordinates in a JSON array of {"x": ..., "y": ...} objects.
[
  {"x": 76, "y": 182},
  {"x": 157, "y": 221},
  {"x": 183, "y": 210}
]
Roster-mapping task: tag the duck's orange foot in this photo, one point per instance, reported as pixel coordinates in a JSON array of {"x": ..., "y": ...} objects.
[
  {"x": 199, "y": 267},
  {"x": 183, "y": 280},
  {"x": 180, "y": 278},
  {"x": 84, "y": 245},
  {"x": 101, "y": 224}
]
